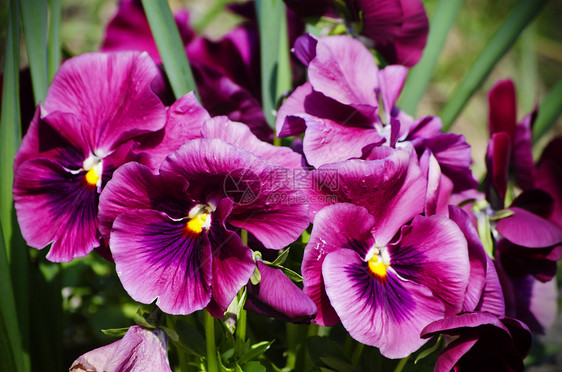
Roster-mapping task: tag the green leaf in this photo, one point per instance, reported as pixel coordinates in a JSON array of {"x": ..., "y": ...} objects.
[
  {"x": 280, "y": 260},
  {"x": 485, "y": 234},
  {"x": 319, "y": 347},
  {"x": 295, "y": 277},
  {"x": 170, "y": 46},
  {"x": 143, "y": 320},
  {"x": 34, "y": 17},
  {"x": 549, "y": 110},
  {"x": 274, "y": 63},
  {"x": 54, "y": 43},
  {"x": 115, "y": 332},
  {"x": 425, "y": 353},
  {"x": 254, "y": 367},
  {"x": 255, "y": 351},
  {"x": 503, "y": 213},
  {"x": 337, "y": 364},
  {"x": 418, "y": 77},
  {"x": 515, "y": 22},
  {"x": 10, "y": 344}
]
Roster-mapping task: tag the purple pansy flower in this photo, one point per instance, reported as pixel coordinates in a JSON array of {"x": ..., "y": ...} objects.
[
  {"x": 175, "y": 224},
  {"x": 97, "y": 109},
  {"x": 385, "y": 285},
  {"x": 139, "y": 350},
  {"x": 338, "y": 110},
  {"x": 396, "y": 28}
]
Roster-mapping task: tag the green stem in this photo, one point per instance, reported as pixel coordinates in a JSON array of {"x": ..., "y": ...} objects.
[
  {"x": 292, "y": 345},
  {"x": 401, "y": 364},
  {"x": 182, "y": 355},
  {"x": 212, "y": 365},
  {"x": 357, "y": 353}
]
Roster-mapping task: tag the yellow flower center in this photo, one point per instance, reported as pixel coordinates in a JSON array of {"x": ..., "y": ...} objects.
[
  {"x": 198, "y": 222},
  {"x": 377, "y": 267},
  {"x": 92, "y": 177}
]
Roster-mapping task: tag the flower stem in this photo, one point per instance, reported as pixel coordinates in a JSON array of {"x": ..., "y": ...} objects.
[
  {"x": 401, "y": 364},
  {"x": 241, "y": 323},
  {"x": 357, "y": 353},
  {"x": 212, "y": 365}
]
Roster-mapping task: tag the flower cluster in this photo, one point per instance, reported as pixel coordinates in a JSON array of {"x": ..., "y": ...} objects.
[{"x": 189, "y": 197}]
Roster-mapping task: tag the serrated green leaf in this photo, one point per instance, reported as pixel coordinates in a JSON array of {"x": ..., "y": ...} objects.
[
  {"x": 515, "y": 22},
  {"x": 115, "y": 332},
  {"x": 170, "y": 46},
  {"x": 282, "y": 257}
]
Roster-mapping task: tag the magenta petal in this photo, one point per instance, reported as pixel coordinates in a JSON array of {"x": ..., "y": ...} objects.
[
  {"x": 139, "y": 349},
  {"x": 240, "y": 135},
  {"x": 156, "y": 259},
  {"x": 529, "y": 230},
  {"x": 233, "y": 266},
  {"x": 536, "y": 302},
  {"x": 110, "y": 94},
  {"x": 54, "y": 205},
  {"x": 345, "y": 71},
  {"x": 277, "y": 296},
  {"x": 522, "y": 155},
  {"x": 392, "y": 189},
  {"x": 391, "y": 81},
  {"x": 328, "y": 142},
  {"x": 439, "y": 248},
  {"x": 286, "y": 124},
  {"x": 388, "y": 314},
  {"x": 503, "y": 108},
  {"x": 305, "y": 48},
  {"x": 184, "y": 121},
  {"x": 335, "y": 227},
  {"x": 477, "y": 257},
  {"x": 492, "y": 300},
  {"x": 274, "y": 212},
  {"x": 134, "y": 186},
  {"x": 497, "y": 162}
]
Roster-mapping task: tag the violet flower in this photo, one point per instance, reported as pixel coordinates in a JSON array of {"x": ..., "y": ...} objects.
[
  {"x": 139, "y": 350},
  {"x": 396, "y": 28},
  {"x": 97, "y": 109},
  {"x": 169, "y": 233},
  {"x": 385, "y": 289}
]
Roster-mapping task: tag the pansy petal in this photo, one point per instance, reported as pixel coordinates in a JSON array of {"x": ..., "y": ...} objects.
[
  {"x": 335, "y": 227},
  {"x": 549, "y": 176},
  {"x": 503, "y": 108},
  {"x": 54, "y": 205},
  {"x": 273, "y": 212},
  {"x": 233, "y": 266},
  {"x": 388, "y": 314},
  {"x": 522, "y": 155},
  {"x": 325, "y": 141},
  {"x": 497, "y": 162},
  {"x": 392, "y": 189},
  {"x": 391, "y": 81},
  {"x": 116, "y": 87},
  {"x": 277, "y": 296},
  {"x": 344, "y": 70},
  {"x": 529, "y": 230},
  {"x": 240, "y": 135},
  {"x": 134, "y": 186},
  {"x": 536, "y": 302},
  {"x": 492, "y": 300},
  {"x": 305, "y": 48},
  {"x": 156, "y": 259},
  {"x": 433, "y": 251}
]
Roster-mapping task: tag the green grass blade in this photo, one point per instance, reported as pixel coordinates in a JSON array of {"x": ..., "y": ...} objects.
[
  {"x": 275, "y": 64},
  {"x": 170, "y": 46},
  {"x": 10, "y": 130},
  {"x": 10, "y": 342},
  {"x": 515, "y": 22},
  {"x": 34, "y": 18},
  {"x": 418, "y": 77},
  {"x": 210, "y": 15},
  {"x": 549, "y": 110},
  {"x": 54, "y": 43}
]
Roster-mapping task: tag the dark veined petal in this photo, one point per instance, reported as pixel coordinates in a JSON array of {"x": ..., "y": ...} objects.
[
  {"x": 110, "y": 94},
  {"x": 55, "y": 205},
  {"x": 335, "y": 227},
  {"x": 156, "y": 258}
]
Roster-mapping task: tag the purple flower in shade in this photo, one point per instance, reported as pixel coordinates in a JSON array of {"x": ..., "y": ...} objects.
[
  {"x": 175, "y": 224},
  {"x": 224, "y": 70},
  {"x": 385, "y": 282},
  {"x": 338, "y": 110},
  {"x": 277, "y": 296},
  {"x": 139, "y": 350},
  {"x": 97, "y": 109},
  {"x": 396, "y": 28},
  {"x": 480, "y": 337},
  {"x": 548, "y": 177}
]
